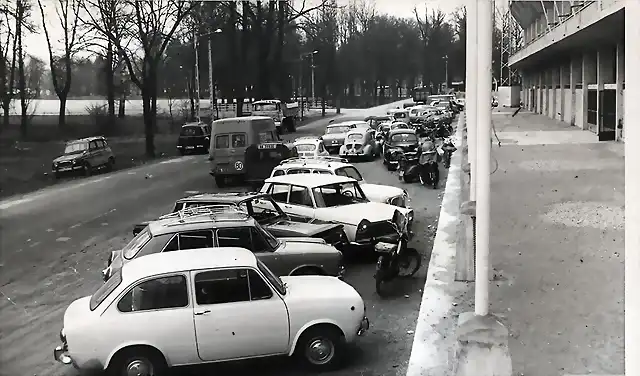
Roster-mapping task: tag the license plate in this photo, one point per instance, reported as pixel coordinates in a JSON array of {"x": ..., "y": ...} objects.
[{"x": 190, "y": 147}]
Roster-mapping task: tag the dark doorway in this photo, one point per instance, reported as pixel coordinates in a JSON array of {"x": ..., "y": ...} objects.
[
  {"x": 534, "y": 97},
  {"x": 592, "y": 110},
  {"x": 607, "y": 131}
]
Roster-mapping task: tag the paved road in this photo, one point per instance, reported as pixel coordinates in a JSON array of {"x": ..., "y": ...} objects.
[{"x": 55, "y": 242}]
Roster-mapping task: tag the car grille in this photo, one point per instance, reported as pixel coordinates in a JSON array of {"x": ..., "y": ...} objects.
[{"x": 65, "y": 164}]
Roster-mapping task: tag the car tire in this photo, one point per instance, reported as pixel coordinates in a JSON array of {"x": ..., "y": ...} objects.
[
  {"x": 147, "y": 361},
  {"x": 322, "y": 348},
  {"x": 220, "y": 181},
  {"x": 87, "y": 169},
  {"x": 111, "y": 163}
]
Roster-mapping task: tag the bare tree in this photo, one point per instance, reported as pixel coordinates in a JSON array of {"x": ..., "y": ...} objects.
[
  {"x": 35, "y": 70},
  {"x": 22, "y": 15},
  {"x": 7, "y": 61},
  {"x": 67, "y": 12},
  {"x": 148, "y": 25}
]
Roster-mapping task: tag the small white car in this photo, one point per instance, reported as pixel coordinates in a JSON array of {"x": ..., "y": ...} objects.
[
  {"x": 204, "y": 306},
  {"x": 336, "y": 166},
  {"x": 335, "y": 134},
  {"x": 359, "y": 143},
  {"x": 339, "y": 199},
  {"x": 310, "y": 147}
]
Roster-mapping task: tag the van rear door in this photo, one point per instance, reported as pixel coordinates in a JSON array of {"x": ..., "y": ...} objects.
[{"x": 228, "y": 153}]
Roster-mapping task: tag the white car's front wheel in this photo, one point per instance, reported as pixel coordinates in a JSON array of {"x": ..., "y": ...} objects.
[
  {"x": 322, "y": 348},
  {"x": 139, "y": 361}
]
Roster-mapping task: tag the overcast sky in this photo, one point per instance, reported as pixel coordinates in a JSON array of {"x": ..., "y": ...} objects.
[{"x": 36, "y": 43}]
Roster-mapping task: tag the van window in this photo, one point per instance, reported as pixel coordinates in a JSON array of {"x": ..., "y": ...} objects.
[
  {"x": 266, "y": 136},
  {"x": 239, "y": 140},
  {"x": 222, "y": 141}
]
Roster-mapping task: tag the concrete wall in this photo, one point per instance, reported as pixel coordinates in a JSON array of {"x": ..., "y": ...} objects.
[{"x": 559, "y": 100}]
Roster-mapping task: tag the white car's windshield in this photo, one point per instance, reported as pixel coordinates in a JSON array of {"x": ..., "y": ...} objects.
[
  {"x": 341, "y": 129},
  {"x": 338, "y": 195},
  {"x": 306, "y": 147},
  {"x": 105, "y": 290},
  {"x": 273, "y": 279},
  {"x": 136, "y": 244},
  {"x": 76, "y": 147}
]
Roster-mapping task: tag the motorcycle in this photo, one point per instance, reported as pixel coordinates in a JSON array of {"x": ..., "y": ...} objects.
[
  {"x": 395, "y": 260},
  {"x": 448, "y": 148},
  {"x": 429, "y": 174},
  {"x": 408, "y": 171}
]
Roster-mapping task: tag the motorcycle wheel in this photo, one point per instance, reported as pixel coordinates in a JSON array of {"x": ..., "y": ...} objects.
[
  {"x": 379, "y": 276},
  {"x": 409, "y": 263}
]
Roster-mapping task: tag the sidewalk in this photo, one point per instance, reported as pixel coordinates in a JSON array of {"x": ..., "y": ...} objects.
[{"x": 557, "y": 244}]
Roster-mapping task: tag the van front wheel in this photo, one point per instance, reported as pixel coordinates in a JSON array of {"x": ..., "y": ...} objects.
[{"x": 221, "y": 181}]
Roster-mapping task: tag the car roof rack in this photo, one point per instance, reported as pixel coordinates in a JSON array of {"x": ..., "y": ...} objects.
[
  {"x": 212, "y": 210},
  {"x": 314, "y": 159}
]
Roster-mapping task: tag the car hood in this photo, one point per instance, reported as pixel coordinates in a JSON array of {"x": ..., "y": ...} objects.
[
  {"x": 312, "y": 288},
  {"x": 380, "y": 193},
  {"x": 309, "y": 229},
  {"x": 300, "y": 245},
  {"x": 354, "y": 213},
  {"x": 68, "y": 157},
  {"x": 77, "y": 312}
]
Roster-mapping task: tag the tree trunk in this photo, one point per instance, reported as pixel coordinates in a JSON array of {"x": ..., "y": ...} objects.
[
  {"x": 241, "y": 83},
  {"x": 121, "y": 107},
  {"x": 62, "y": 111},
  {"x": 110, "y": 78},
  {"x": 283, "y": 88},
  {"x": 192, "y": 102},
  {"x": 148, "y": 118},
  {"x": 23, "y": 88}
]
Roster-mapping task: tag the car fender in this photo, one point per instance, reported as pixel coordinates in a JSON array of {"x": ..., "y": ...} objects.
[
  {"x": 130, "y": 344},
  {"x": 343, "y": 150},
  {"x": 294, "y": 343}
]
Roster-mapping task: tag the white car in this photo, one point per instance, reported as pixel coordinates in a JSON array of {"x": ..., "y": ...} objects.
[
  {"x": 310, "y": 147},
  {"x": 359, "y": 143},
  {"x": 203, "y": 306},
  {"x": 338, "y": 199},
  {"x": 336, "y": 132},
  {"x": 337, "y": 166}
]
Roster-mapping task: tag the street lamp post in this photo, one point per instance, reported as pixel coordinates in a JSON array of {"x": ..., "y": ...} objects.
[
  {"x": 313, "y": 76},
  {"x": 212, "y": 88},
  {"x": 446, "y": 72},
  {"x": 197, "y": 74}
]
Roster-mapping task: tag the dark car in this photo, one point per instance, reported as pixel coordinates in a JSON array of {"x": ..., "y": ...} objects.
[
  {"x": 405, "y": 140},
  {"x": 275, "y": 220},
  {"x": 84, "y": 156},
  {"x": 194, "y": 138},
  {"x": 260, "y": 159}
]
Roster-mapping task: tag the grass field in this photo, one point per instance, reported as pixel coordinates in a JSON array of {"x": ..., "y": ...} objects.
[{"x": 25, "y": 165}]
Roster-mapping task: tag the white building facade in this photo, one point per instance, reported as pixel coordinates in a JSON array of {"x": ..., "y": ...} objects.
[{"x": 572, "y": 62}]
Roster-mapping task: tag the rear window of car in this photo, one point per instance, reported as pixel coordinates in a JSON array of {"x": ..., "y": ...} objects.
[
  {"x": 349, "y": 172},
  {"x": 238, "y": 140},
  {"x": 306, "y": 147},
  {"x": 194, "y": 130},
  {"x": 105, "y": 290},
  {"x": 222, "y": 141}
]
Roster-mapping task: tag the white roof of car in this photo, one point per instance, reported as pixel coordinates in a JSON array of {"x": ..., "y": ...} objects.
[
  {"x": 306, "y": 140},
  {"x": 348, "y": 123},
  {"x": 192, "y": 259},
  {"x": 310, "y": 180}
]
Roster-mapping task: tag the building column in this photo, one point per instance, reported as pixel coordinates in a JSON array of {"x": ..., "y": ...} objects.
[
  {"x": 619, "y": 91},
  {"x": 561, "y": 83},
  {"x": 573, "y": 81},
  {"x": 549, "y": 83},
  {"x": 539, "y": 102},
  {"x": 554, "y": 100},
  {"x": 600, "y": 81}
]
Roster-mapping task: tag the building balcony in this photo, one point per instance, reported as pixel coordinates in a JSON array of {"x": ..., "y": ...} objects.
[{"x": 590, "y": 24}]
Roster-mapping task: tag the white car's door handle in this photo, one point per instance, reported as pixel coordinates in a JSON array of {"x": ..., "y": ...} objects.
[
  {"x": 201, "y": 313},
  {"x": 287, "y": 206}
]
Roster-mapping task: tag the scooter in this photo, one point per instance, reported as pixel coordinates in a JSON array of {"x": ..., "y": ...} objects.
[
  {"x": 429, "y": 174},
  {"x": 408, "y": 171},
  {"x": 395, "y": 260}
]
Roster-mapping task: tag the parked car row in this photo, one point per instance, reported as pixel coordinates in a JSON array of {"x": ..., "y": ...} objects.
[{"x": 228, "y": 276}]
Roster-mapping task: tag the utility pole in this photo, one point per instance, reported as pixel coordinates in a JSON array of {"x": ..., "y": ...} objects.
[
  {"x": 632, "y": 190},
  {"x": 446, "y": 72},
  {"x": 212, "y": 90},
  {"x": 471, "y": 91},
  {"x": 197, "y": 74},
  {"x": 313, "y": 79},
  {"x": 483, "y": 192}
]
